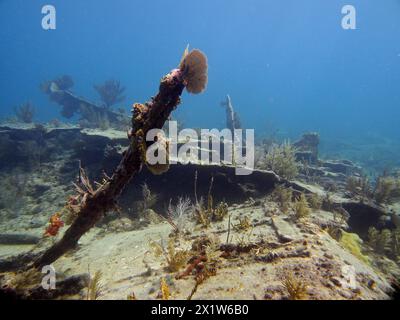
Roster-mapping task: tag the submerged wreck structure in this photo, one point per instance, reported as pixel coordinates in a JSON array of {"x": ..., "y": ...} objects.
[
  {"x": 315, "y": 230},
  {"x": 91, "y": 204},
  {"x": 91, "y": 115},
  {"x": 232, "y": 118}
]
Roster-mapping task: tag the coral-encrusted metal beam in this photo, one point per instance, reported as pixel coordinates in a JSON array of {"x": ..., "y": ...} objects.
[{"x": 94, "y": 203}]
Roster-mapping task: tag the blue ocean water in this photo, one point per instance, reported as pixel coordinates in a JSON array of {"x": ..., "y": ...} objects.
[
  {"x": 289, "y": 67},
  {"x": 287, "y": 64}
]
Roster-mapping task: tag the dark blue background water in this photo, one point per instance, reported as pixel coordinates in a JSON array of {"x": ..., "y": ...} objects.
[{"x": 287, "y": 64}]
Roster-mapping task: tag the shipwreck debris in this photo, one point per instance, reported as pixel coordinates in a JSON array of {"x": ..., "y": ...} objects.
[
  {"x": 91, "y": 114},
  {"x": 94, "y": 203},
  {"x": 232, "y": 118}
]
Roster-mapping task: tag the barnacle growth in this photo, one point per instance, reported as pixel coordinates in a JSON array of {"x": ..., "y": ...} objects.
[{"x": 194, "y": 70}]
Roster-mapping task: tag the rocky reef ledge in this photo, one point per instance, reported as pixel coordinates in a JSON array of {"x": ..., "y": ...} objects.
[{"x": 254, "y": 245}]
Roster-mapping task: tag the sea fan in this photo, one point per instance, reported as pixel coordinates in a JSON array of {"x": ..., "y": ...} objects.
[{"x": 194, "y": 68}]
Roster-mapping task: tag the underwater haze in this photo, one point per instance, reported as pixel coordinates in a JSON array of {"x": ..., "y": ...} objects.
[
  {"x": 95, "y": 206},
  {"x": 286, "y": 64}
]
